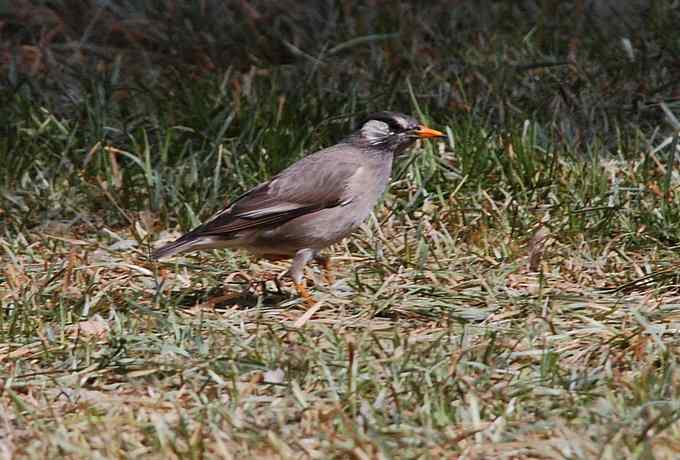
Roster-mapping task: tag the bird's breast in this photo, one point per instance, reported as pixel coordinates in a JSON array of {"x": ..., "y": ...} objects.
[{"x": 365, "y": 188}]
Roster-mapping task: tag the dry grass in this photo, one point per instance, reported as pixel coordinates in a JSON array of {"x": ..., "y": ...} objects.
[{"x": 436, "y": 338}]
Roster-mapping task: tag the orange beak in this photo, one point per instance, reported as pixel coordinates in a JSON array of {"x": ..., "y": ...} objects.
[{"x": 424, "y": 131}]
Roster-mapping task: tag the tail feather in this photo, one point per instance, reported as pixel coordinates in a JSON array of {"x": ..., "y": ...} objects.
[
  {"x": 180, "y": 245},
  {"x": 191, "y": 242}
]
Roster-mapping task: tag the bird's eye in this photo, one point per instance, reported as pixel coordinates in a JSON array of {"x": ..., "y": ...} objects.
[{"x": 395, "y": 128}]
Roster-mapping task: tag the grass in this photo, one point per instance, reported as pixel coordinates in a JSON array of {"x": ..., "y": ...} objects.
[{"x": 515, "y": 295}]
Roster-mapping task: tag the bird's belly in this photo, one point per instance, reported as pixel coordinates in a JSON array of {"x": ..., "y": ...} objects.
[{"x": 316, "y": 231}]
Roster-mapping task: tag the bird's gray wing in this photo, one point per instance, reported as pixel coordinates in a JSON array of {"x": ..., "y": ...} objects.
[{"x": 316, "y": 182}]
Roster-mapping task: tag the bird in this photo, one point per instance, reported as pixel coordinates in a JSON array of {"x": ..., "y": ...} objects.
[{"x": 312, "y": 204}]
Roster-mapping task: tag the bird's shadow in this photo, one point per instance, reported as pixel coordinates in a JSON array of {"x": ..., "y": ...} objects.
[{"x": 222, "y": 298}]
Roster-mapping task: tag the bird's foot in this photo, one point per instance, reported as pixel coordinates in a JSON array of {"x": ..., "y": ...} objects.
[{"x": 304, "y": 293}]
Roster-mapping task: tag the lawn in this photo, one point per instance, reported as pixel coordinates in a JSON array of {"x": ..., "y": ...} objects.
[{"x": 515, "y": 295}]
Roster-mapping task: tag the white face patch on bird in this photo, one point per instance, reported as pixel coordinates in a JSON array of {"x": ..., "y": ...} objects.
[{"x": 375, "y": 131}]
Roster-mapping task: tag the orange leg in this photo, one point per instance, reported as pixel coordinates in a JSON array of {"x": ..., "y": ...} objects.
[
  {"x": 328, "y": 274},
  {"x": 296, "y": 273},
  {"x": 327, "y": 266},
  {"x": 304, "y": 293}
]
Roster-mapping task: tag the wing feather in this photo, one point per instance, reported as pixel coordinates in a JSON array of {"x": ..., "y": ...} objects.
[{"x": 307, "y": 186}]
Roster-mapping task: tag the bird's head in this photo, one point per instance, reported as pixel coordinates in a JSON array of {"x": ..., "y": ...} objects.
[{"x": 392, "y": 131}]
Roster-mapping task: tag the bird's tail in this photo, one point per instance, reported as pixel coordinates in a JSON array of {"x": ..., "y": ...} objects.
[
  {"x": 192, "y": 241},
  {"x": 182, "y": 244}
]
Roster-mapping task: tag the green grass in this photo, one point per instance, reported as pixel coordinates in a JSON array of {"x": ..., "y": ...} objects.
[{"x": 515, "y": 295}]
